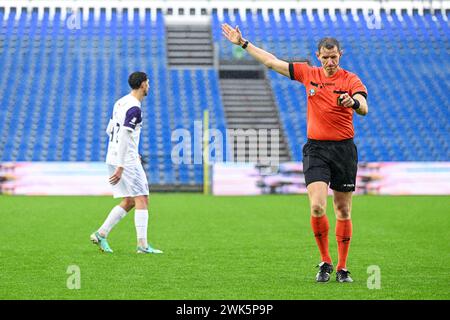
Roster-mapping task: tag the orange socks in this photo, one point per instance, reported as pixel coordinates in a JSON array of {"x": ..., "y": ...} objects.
[
  {"x": 343, "y": 236},
  {"x": 320, "y": 228}
]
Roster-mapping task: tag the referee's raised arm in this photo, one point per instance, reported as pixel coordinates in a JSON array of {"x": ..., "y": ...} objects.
[{"x": 266, "y": 58}]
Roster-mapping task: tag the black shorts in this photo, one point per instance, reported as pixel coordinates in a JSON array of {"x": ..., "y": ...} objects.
[{"x": 333, "y": 162}]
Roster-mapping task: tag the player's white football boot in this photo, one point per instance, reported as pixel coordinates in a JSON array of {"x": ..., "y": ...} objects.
[
  {"x": 149, "y": 249},
  {"x": 97, "y": 239}
]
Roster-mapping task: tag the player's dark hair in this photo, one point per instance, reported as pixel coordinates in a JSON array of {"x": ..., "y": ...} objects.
[
  {"x": 136, "y": 78},
  {"x": 328, "y": 43}
]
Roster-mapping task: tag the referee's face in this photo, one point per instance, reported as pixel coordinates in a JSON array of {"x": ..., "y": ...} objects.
[{"x": 329, "y": 58}]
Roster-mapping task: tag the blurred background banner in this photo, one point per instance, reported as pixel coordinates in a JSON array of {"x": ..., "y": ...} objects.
[
  {"x": 386, "y": 178},
  {"x": 91, "y": 178},
  {"x": 54, "y": 178},
  {"x": 83, "y": 178}
]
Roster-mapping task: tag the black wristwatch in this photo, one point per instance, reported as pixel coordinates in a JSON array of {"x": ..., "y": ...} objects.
[
  {"x": 356, "y": 105},
  {"x": 245, "y": 44}
]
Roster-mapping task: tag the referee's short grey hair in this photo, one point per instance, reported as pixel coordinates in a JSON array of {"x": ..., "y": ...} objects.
[{"x": 328, "y": 43}]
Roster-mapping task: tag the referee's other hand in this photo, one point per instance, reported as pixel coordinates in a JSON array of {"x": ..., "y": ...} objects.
[
  {"x": 346, "y": 100},
  {"x": 115, "y": 178}
]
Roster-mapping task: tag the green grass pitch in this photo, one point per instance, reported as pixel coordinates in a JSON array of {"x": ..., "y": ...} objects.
[{"x": 222, "y": 248}]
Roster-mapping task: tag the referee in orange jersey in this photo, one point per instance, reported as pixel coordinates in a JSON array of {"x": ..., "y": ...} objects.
[{"x": 330, "y": 155}]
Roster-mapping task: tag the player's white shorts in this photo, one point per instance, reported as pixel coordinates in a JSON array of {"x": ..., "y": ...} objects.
[{"x": 132, "y": 183}]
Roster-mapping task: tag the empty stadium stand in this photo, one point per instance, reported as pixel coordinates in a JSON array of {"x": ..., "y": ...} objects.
[
  {"x": 58, "y": 84},
  {"x": 250, "y": 109},
  {"x": 190, "y": 45}
]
